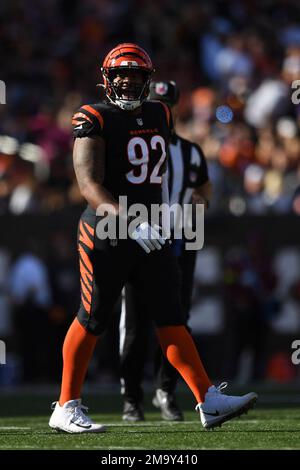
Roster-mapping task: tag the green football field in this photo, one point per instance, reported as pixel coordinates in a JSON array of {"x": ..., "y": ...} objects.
[{"x": 24, "y": 418}]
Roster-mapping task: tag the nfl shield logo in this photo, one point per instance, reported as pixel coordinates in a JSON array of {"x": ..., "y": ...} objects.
[
  {"x": 161, "y": 88},
  {"x": 139, "y": 121}
]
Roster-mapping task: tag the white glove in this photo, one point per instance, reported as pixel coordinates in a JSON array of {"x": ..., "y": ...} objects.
[{"x": 148, "y": 237}]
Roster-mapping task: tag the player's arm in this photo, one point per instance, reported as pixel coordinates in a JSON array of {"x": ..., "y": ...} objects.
[
  {"x": 203, "y": 194},
  {"x": 89, "y": 165}
]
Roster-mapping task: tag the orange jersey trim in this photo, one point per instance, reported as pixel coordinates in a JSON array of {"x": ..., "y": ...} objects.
[
  {"x": 86, "y": 272},
  {"x": 95, "y": 113},
  {"x": 84, "y": 237},
  {"x": 89, "y": 228},
  {"x": 87, "y": 294},
  {"x": 86, "y": 276},
  {"x": 82, "y": 115}
]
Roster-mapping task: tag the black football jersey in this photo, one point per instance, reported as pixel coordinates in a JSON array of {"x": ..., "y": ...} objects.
[{"x": 136, "y": 147}]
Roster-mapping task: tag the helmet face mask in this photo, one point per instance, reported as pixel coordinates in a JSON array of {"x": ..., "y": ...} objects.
[{"x": 127, "y": 72}]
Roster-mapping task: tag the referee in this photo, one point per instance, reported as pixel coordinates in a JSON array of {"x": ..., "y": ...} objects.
[{"x": 188, "y": 182}]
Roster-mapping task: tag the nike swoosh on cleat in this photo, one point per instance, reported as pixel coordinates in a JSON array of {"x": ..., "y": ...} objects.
[
  {"x": 87, "y": 426},
  {"x": 78, "y": 127},
  {"x": 216, "y": 413}
]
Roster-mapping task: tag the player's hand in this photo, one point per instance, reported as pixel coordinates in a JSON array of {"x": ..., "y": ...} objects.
[
  {"x": 200, "y": 199},
  {"x": 148, "y": 237},
  {"x": 203, "y": 194}
]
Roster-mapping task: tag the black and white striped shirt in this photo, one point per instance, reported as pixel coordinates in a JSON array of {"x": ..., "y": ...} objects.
[{"x": 187, "y": 169}]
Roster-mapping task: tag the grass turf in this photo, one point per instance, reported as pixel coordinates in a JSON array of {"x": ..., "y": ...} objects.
[{"x": 24, "y": 425}]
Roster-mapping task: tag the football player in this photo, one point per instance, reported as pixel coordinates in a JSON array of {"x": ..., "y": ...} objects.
[
  {"x": 120, "y": 150},
  {"x": 188, "y": 182}
]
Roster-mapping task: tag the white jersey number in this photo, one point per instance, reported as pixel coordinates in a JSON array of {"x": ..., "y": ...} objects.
[{"x": 138, "y": 155}]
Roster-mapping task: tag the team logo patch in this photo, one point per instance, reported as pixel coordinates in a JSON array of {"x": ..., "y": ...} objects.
[{"x": 161, "y": 88}]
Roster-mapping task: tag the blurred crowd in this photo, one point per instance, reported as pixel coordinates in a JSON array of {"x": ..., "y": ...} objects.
[
  {"x": 241, "y": 54},
  {"x": 235, "y": 64}
]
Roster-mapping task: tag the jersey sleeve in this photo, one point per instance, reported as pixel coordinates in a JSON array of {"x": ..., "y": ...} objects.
[
  {"x": 202, "y": 176},
  {"x": 87, "y": 122}
]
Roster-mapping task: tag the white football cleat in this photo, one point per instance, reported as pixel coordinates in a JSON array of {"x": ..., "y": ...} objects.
[
  {"x": 71, "y": 418},
  {"x": 218, "y": 408}
]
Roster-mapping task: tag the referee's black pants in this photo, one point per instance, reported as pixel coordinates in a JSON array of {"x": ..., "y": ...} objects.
[{"x": 134, "y": 336}]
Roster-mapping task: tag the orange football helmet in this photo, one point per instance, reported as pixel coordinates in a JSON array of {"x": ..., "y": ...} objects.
[{"x": 131, "y": 58}]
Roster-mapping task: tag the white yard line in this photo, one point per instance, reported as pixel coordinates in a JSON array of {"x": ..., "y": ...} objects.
[
  {"x": 151, "y": 423},
  {"x": 19, "y": 428}
]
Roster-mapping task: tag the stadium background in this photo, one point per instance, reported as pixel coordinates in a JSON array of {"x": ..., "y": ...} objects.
[{"x": 243, "y": 54}]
